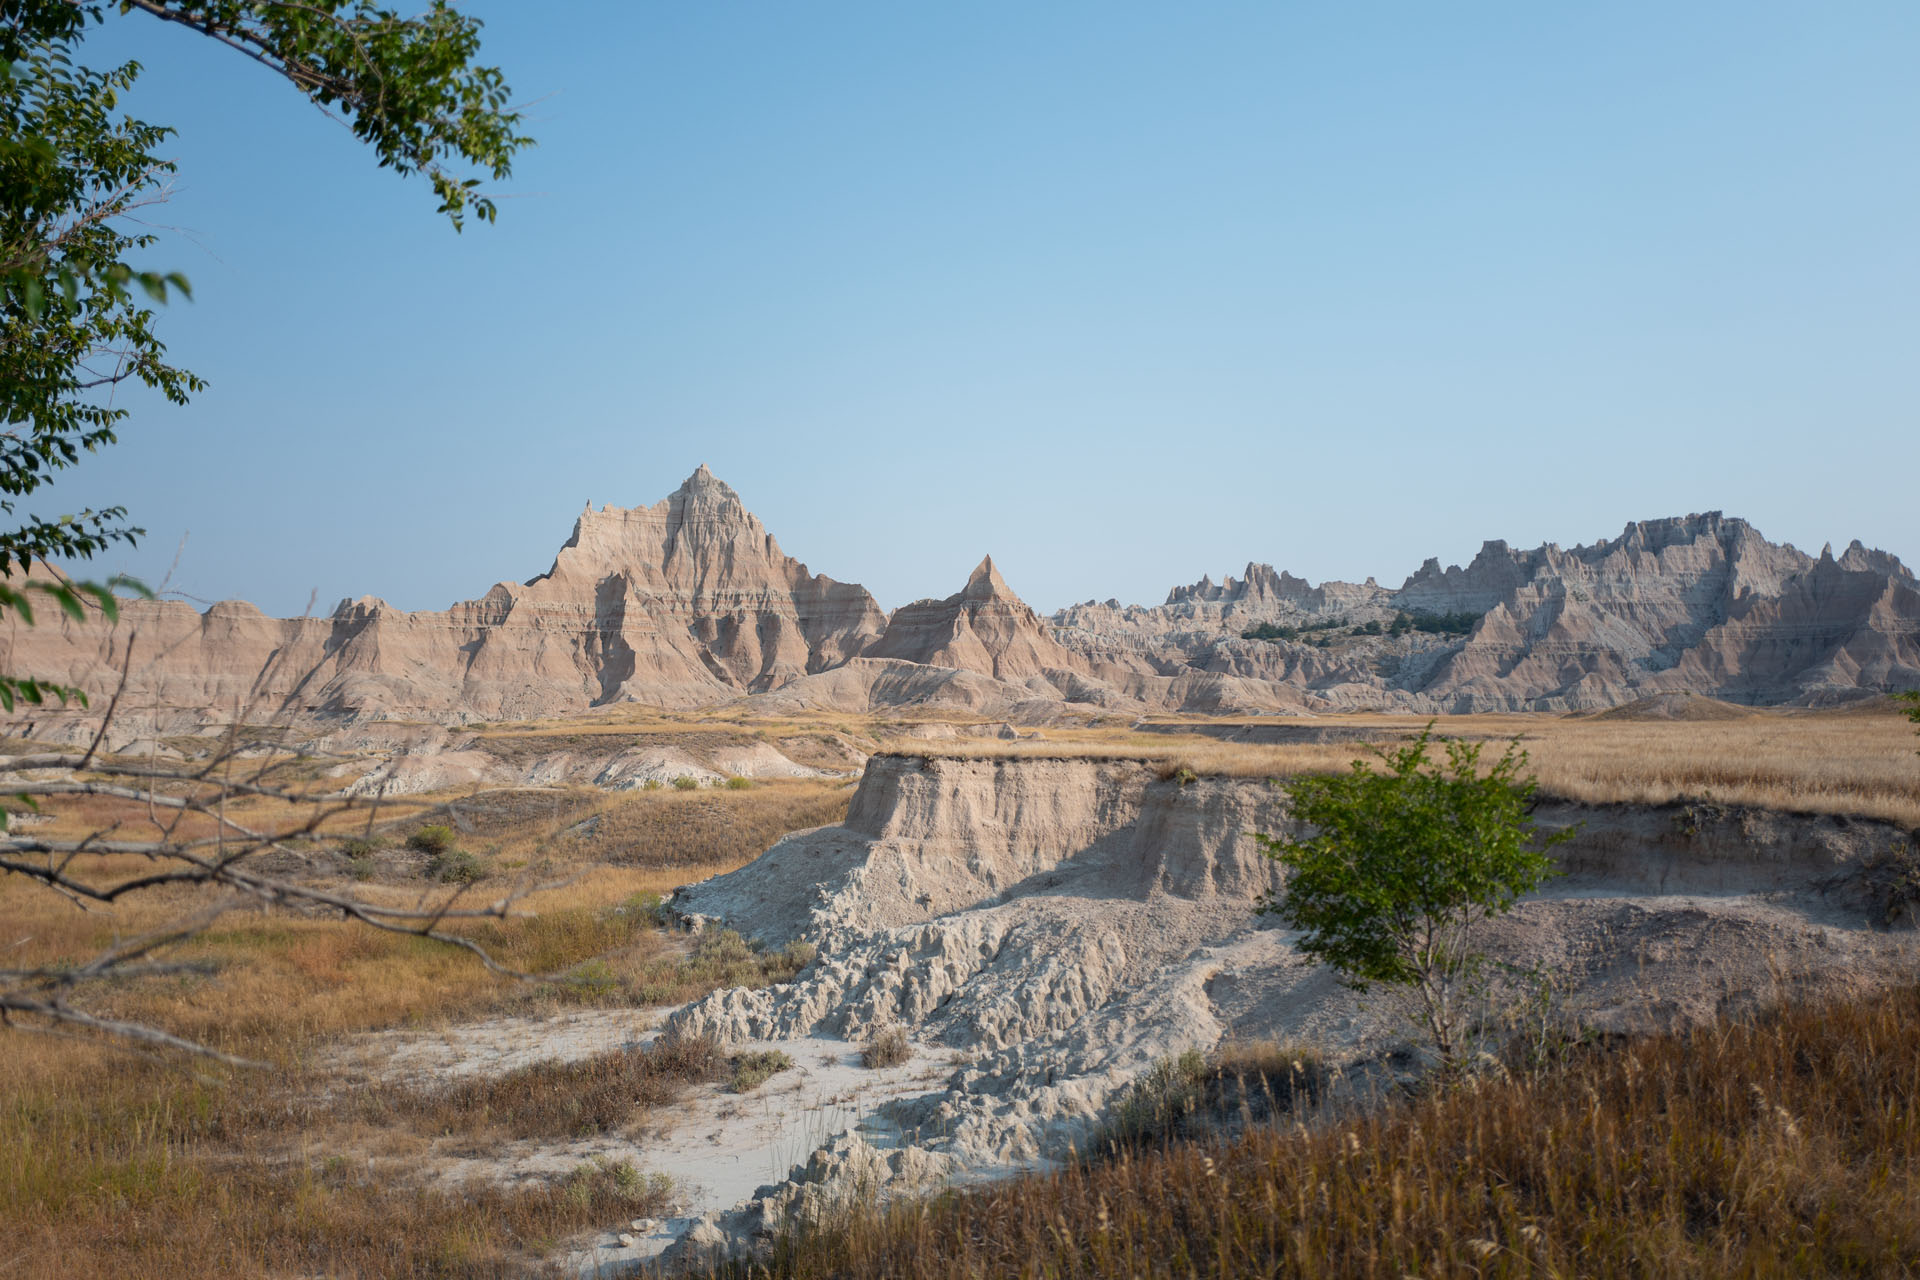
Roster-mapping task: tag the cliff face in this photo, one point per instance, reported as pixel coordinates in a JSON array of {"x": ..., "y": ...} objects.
[
  {"x": 1699, "y": 603},
  {"x": 690, "y": 602},
  {"x": 684, "y": 603}
]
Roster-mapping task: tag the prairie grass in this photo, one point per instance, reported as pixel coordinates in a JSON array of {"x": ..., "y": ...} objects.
[
  {"x": 1859, "y": 763},
  {"x": 601, "y": 1094},
  {"x": 1784, "y": 1145},
  {"x": 706, "y": 826},
  {"x": 114, "y": 1166},
  {"x": 163, "y": 1214},
  {"x": 1197, "y": 1094}
]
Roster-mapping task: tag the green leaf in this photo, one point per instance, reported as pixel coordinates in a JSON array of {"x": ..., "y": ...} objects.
[
  {"x": 103, "y": 597},
  {"x": 67, "y": 598}
]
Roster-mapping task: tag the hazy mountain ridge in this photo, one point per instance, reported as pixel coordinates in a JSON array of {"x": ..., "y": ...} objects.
[
  {"x": 1698, "y": 603},
  {"x": 691, "y": 602}
]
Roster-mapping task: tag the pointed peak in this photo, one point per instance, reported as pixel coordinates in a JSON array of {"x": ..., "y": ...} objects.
[
  {"x": 707, "y": 491},
  {"x": 986, "y": 582}
]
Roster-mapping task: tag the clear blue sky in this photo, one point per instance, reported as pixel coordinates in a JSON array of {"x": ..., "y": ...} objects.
[{"x": 1122, "y": 293}]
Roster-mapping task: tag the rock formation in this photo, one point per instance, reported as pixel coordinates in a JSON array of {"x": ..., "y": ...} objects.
[
  {"x": 985, "y": 628},
  {"x": 690, "y": 602},
  {"x": 1050, "y": 929},
  {"x": 1699, "y": 604},
  {"x": 685, "y": 603}
]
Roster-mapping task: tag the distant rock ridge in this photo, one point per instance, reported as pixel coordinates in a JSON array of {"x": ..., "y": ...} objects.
[
  {"x": 691, "y": 602},
  {"x": 984, "y": 628},
  {"x": 1700, "y": 603}
]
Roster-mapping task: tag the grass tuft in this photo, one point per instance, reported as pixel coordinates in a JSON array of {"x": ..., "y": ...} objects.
[
  {"x": 751, "y": 1070},
  {"x": 607, "y": 1093},
  {"x": 888, "y": 1048}
]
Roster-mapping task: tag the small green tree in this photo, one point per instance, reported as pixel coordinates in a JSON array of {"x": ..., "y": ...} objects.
[{"x": 1403, "y": 863}]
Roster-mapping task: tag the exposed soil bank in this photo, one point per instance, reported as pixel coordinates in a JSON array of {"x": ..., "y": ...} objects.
[{"x": 1061, "y": 925}]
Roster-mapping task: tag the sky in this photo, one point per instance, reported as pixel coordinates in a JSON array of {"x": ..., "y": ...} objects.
[{"x": 1121, "y": 293}]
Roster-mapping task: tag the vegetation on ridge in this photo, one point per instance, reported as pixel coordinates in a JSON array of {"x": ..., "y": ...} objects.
[
  {"x": 1783, "y": 1145},
  {"x": 1403, "y": 864}
]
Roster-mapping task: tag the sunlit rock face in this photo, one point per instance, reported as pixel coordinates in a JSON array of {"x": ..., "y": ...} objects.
[
  {"x": 685, "y": 603},
  {"x": 690, "y": 602},
  {"x": 1701, "y": 604},
  {"x": 984, "y": 628}
]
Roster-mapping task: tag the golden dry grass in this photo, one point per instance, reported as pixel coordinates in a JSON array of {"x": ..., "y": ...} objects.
[
  {"x": 111, "y": 1165},
  {"x": 1860, "y": 764},
  {"x": 1784, "y": 1146}
]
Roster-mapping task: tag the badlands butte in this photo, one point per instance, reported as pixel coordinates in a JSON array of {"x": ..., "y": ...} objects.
[
  {"x": 1026, "y": 847},
  {"x": 691, "y": 603}
]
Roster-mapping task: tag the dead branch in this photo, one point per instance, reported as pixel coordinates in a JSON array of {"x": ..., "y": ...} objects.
[{"x": 199, "y": 840}]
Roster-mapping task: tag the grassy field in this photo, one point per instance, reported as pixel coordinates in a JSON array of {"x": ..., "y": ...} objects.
[
  {"x": 1859, "y": 763},
  {"x": 1788, "y": 1145},
  {"x": 115, "y": 1165},
  {"x": 112, "y": 1164}
]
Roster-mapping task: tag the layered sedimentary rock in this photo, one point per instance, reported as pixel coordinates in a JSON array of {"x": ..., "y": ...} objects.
[
  {"x": 1048, "y": 930},
  {"x": 684, "y": 603},
  {"x": 985, "y": 628},
  {"x": 690, "y": 602},
  {"x": 1699, "y": 604}
]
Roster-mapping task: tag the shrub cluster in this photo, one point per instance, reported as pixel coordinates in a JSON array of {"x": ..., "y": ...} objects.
[
  {"x": 888, "y": 1048},
  {"x": 434, "y": 839},
  {"x": 751, "y": 1070}
]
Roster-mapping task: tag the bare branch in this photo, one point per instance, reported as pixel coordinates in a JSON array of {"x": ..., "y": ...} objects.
[{"x": 56, "y": 1011}]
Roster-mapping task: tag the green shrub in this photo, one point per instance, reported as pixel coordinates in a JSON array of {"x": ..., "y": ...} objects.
[
  {"x": 362, "y": 868},
  {"x": 601, "y": 1180},
  {"x": 456, "y": 866},
  {"x": 738, "y": 783},
  {"x": 1403, "y": 864},
  {"x": 435, "y": 839},
  {"x": 751, "y": 1070},
  {"x": 651, "y": 784},
  {"x": 686, "y": 782},
  {"x": 645, "y": 908}
]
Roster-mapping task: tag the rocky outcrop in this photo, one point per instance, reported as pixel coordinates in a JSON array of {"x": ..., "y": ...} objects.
[
  {"x": 1701, "y": 604},
  {"x": 685, "y": 603},
  {"x": 1053, "y": 928},
  {"x": 690, "y": 602},
  {"x": 985, "y": 628}
]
